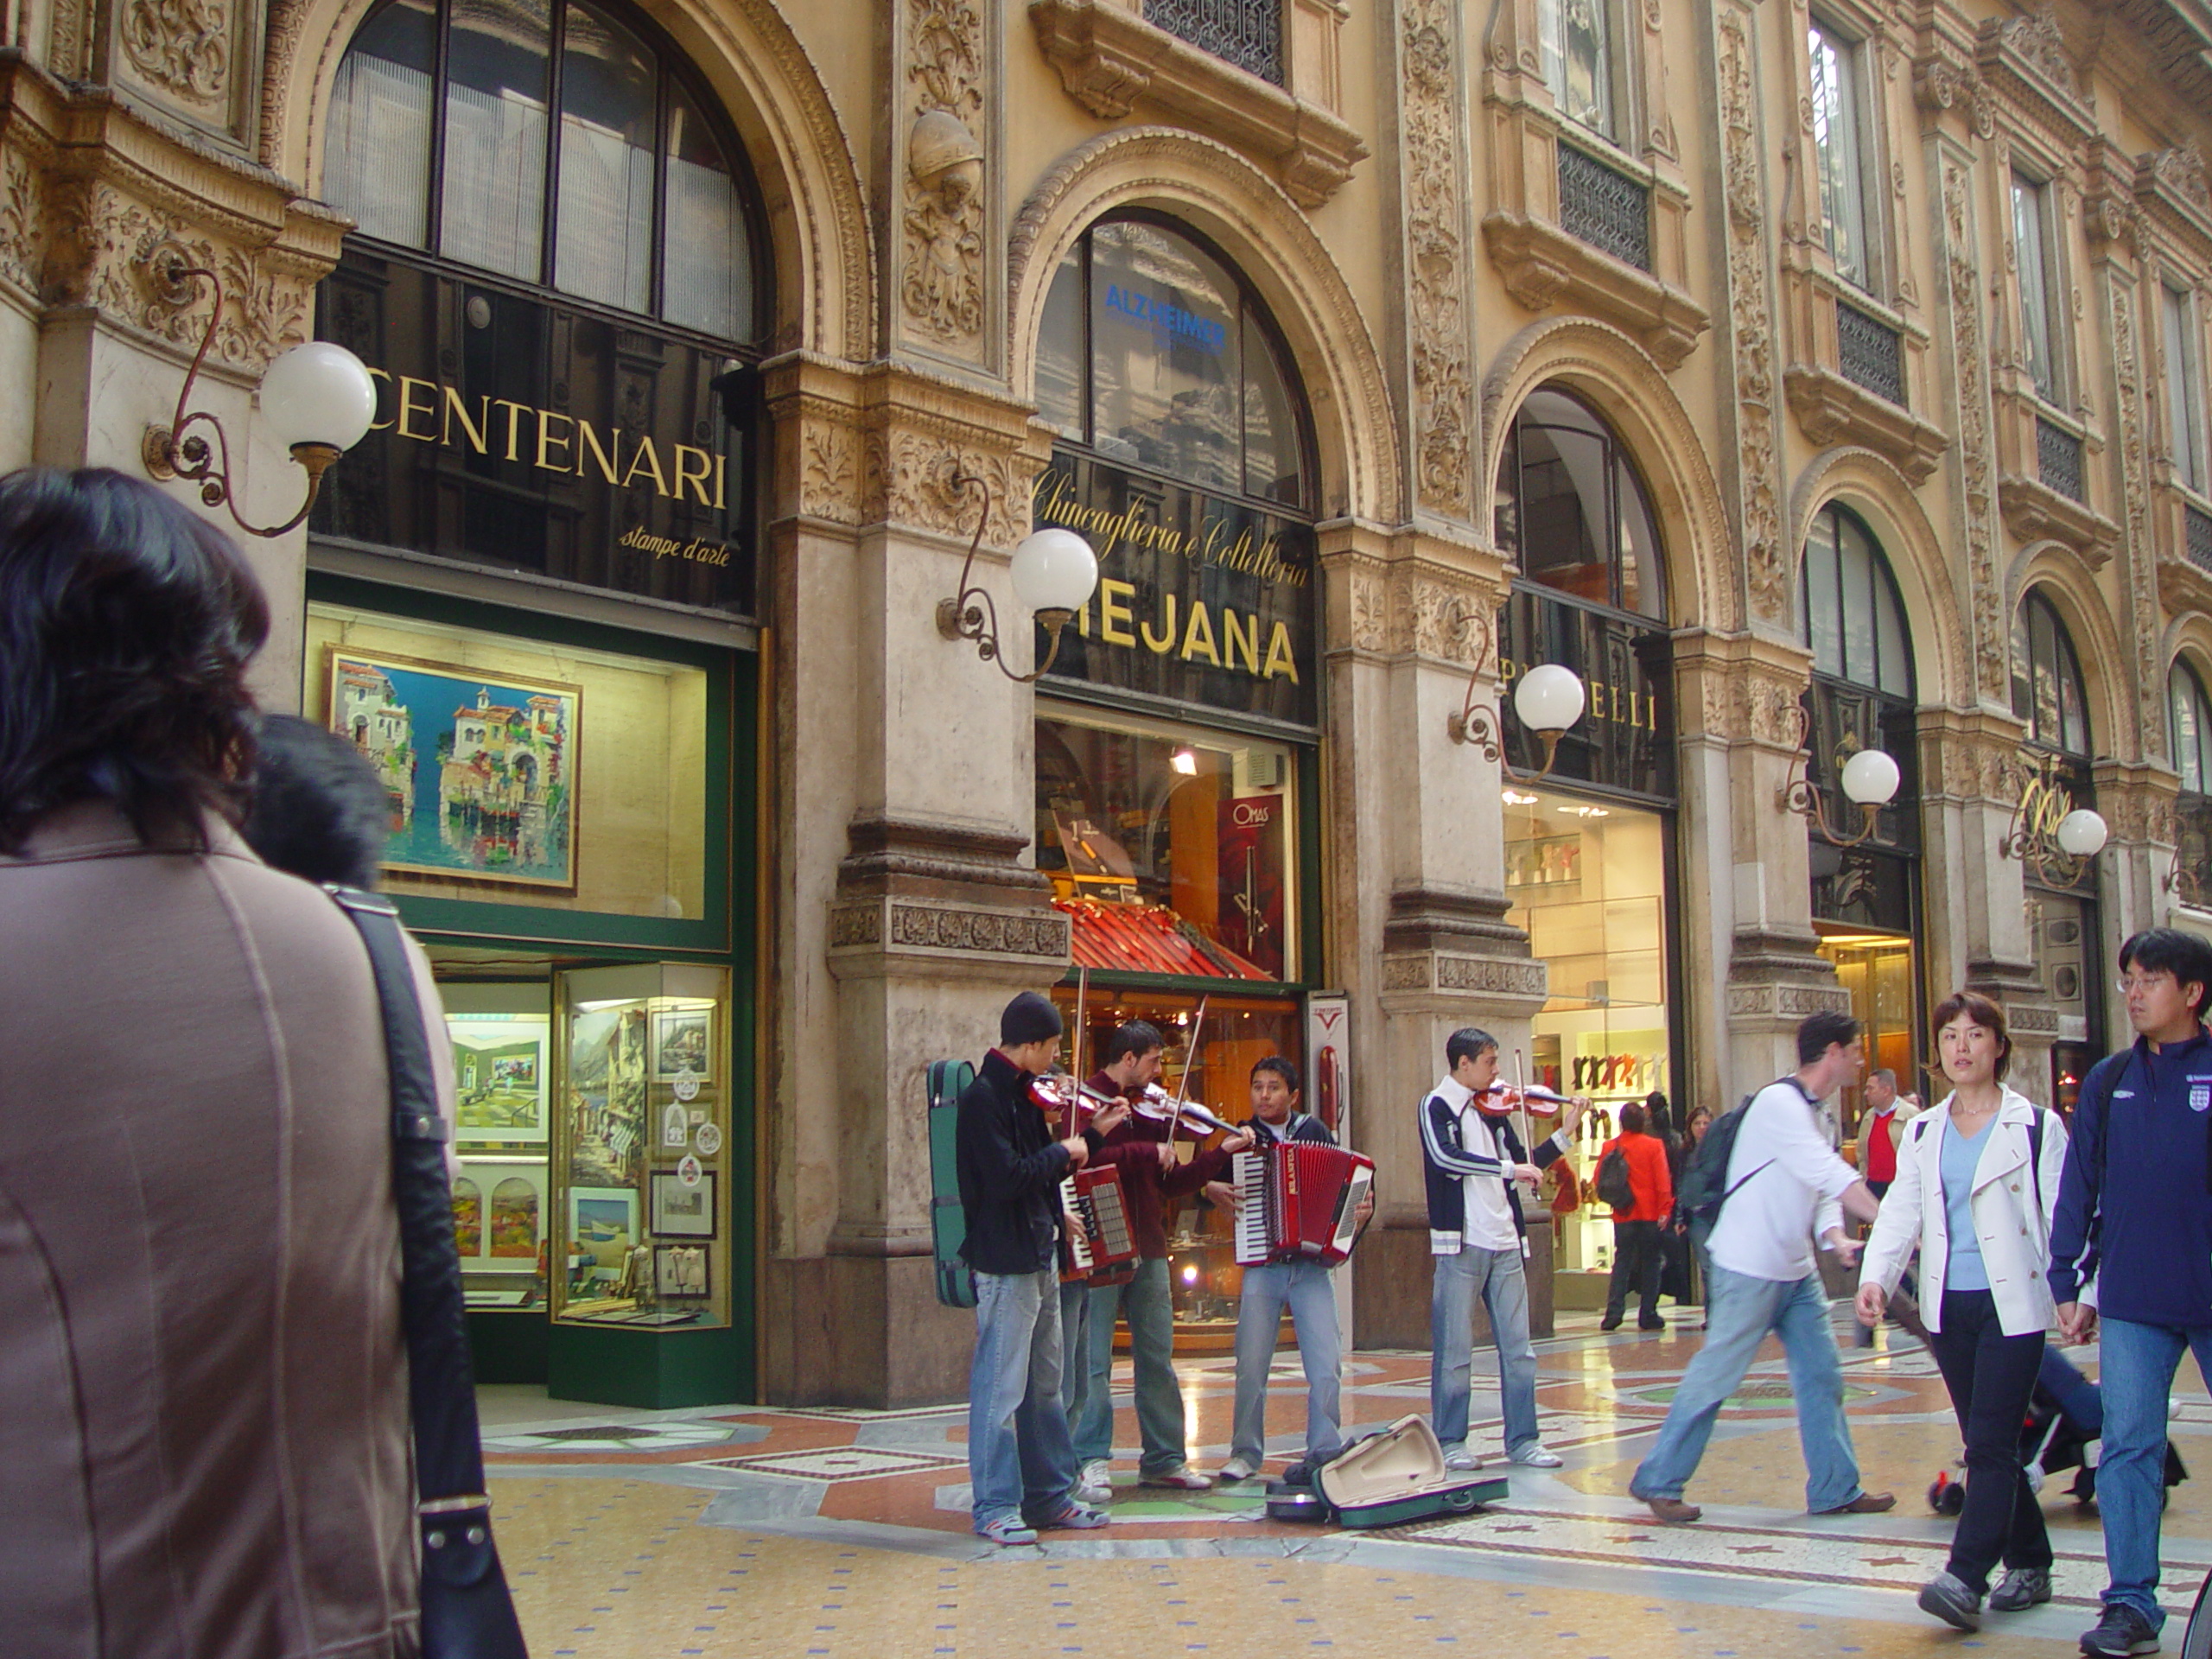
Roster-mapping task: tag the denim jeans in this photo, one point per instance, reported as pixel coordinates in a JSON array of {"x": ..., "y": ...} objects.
[
  {"x": 2138, "y": 1375},
  {"x": 1312, "y": 1297},
  {"x": 1020, "y": 1458},
  {"x": 1075, "y": 1351},
  {"x": 1742, "y": 1310},
  {"x": 1990, "y": 1376},
  {"x": 1502, "y": 1281},
  {"x": 1150, "y": 1305}
]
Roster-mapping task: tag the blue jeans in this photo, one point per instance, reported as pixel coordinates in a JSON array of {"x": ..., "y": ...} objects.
[
  {"x": 2139, "y": 1362},
  {"x": 1150, "y": 1305},
  {"x": 1742, "y": 1310},
  {"x": 1502, "y": 1281},
  {"x": 1075, "y": 1351},
  {"x": 1305, "y": 1286},
  {"x": 1020, "y": 1460}
]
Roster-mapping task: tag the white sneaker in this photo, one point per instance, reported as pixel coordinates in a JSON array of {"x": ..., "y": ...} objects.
[
  {"x": 1535, "y": 1457},
  {"x": 1097, "y": 1485},
  {"x": 1234, "y": 1470},
  {"x": 1459, "y": 1459}
]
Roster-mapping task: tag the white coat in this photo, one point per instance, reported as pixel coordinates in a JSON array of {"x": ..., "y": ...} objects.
[{"x": 2012, "y": 1226}]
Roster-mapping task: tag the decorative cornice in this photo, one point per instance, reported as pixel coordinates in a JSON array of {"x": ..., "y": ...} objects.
[
  {"x": 1832, "y": 410},
  {"x": 2026, "y": 57},
  {"x": 1543, "y": 266}
]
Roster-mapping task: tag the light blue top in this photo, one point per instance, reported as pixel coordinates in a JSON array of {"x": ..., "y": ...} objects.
[{"x": 1961, "y": 1153}]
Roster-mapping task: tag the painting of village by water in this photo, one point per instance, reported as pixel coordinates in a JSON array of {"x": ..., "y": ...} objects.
[{"x": 479, "y": 772}]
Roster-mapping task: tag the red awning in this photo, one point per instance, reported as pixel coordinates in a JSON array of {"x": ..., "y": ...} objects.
[{"x": 1148, "y": 939}]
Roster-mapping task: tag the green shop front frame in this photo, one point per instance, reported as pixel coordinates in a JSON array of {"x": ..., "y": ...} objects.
[{"x": 488, "y": 928}]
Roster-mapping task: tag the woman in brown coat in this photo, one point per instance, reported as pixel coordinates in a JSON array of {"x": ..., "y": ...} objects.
[{"x": 203, "y": 1397}]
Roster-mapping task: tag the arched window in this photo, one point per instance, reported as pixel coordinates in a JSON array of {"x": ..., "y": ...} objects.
[
  {"x": 2047, "y": 679},
  {"x": 441, "y": 139},
  {"x": 1572, "y": 511},
  {"x": 1155, "y": 354},
  {"x": 1854, "y": 620},
  {"x": 2191, "y": 718}
]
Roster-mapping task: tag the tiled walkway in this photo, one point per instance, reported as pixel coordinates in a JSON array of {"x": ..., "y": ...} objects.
[{"x": 630, "y": 1535}]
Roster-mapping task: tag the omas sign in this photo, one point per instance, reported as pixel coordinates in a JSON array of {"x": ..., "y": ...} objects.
[
  {"x": 1201, "y": 600},
  {"x": 526, "y": 435}
]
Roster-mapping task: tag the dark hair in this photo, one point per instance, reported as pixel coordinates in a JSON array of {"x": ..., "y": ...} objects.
[
  {"x": 1818, "y": 1032},
  {"x": 1281, "y": 1067},
  {"x": 1468, "y": 1043},
  {"x": 126, "y": 622},
  {"x": 320, "y": 810},
  {"x": 1633, "y": 1119},
  {"x": 1983, "y": 1013},
  {"x": 2170, "y": 951},
  {"x": 1137, "y": 1037},
  {"x": 1663, "y": 1119}
]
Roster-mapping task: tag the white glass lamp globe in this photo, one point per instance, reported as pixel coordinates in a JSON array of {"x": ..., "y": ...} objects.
[
  {"x": 1870, "y": 779},
  {"x": 1549, "y": 698},
  {"x": 318, "y": 393},
  {"x": 1054, "y": 569},
  {"x": 2081, "y": 833}
]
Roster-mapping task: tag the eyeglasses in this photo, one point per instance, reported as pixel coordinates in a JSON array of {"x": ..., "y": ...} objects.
[{"x": 2131, "y": 983}]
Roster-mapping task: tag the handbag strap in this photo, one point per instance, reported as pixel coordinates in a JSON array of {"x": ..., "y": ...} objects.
[{"x": 440, "y": 1377}]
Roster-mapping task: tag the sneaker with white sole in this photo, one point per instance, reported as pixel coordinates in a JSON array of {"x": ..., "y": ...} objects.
[
  {"x": 1007, "y": 1529},
  {"x": 2121, "y": 1632},
  {"x": 1234, "y": 1470},
  {"x": 1182, "y": 1479},
  {"x": 1535, "y": 1457},
  {"x": 1459, "y": 1459},
  {"x": 1076, "y": 1517},
  {"x": 1947, "y": 1596},
  {"x": 1097, "y": 1485},
  {"x": 2021, "y": 1588}
]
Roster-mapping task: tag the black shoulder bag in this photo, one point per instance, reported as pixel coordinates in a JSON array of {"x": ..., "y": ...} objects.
[{"x": 466, "y": 1610}]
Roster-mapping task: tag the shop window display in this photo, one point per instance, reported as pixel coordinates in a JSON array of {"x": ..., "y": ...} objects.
[{"x": 502, "y": 1075}]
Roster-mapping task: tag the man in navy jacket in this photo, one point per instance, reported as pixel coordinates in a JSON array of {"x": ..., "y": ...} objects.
[
  {"x": 2135, "y": 1220},
  {"x": 1022, "y": 1464}
]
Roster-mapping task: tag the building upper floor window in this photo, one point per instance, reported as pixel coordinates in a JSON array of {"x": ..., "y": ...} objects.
[
  {"x": 1854, "y": 620},
  {"x": 2047, "y": 679},
  {"x": 2190, "y": 713},
  {"x": 1577, "y": 41},
  {"x": 2032, "y": 252},
  {"x": 1838, "y": 138},
  {"x": 552, "y": 144},
  {"x": 2184, "y": 393},
  {"x": 1154, "y": 353},
  {"x": 1572, "y": 511},
  {"x": 1247, "y": 33}
]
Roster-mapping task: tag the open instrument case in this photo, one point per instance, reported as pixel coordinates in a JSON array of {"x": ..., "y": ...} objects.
[{"x": 1387, "y": 1479}]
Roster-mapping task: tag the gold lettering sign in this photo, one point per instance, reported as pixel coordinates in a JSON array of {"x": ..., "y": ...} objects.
[{"x": 1617, "y": 705}]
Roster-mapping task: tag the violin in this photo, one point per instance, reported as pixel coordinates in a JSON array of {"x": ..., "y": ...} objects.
[
  {"x": 1070, "y": 1104},
  {"x": 1533, "y": 1094},
  {"x": 1194, "y": 1120}
]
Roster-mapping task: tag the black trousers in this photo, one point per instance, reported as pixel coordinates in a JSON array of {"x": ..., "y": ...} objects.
[
  {"x": 1990, "y": 1376},
  {"x": 1637, "y": 1258}
]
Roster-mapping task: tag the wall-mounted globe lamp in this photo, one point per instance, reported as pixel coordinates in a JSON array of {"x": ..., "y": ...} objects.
[
  {"x": 1869, "y": 779},
  {"x": 316, "y": 399},
  {"x": 1549, "y": 699},
  {"x": 1053, "y": 571},
  {"x": 2048, "y": 832}
]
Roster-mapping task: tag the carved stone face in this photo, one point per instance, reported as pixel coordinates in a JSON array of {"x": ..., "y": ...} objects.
[{"x": 957, "y": 186}]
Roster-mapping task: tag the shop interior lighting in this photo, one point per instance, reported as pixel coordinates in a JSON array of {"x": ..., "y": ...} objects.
[
  {"x": 1184, "y": 760},
  {"x": 1519, "y": 797},
  {"x": 1054, "y": 573},
  {"x": 316, "y": 399},
  {"x": 2058, "y": 852},
  {"x": 1549, "y": 699},
  {"x": 1870, "y": 780},
  {"x": 1590, "y": 811}
]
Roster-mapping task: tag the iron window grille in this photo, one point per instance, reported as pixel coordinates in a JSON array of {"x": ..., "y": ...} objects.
[
  {"x": 2058, "y": 460},
  {"x": 1246, "y": 33},
  {"x": 1604, "y": 207},
  {"x": 1871, "y": 353},
  {"x": 2197, "y": 537}
]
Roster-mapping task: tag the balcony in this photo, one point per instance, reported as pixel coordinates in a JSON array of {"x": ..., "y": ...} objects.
[
  {"x": 1851, "y": 372},
  {"x": 2058, "y": 460},
  {"x": 1869, "y": 353},
  {"x": 1603, "y": 207},
  {"x": 1247, "y": 33},
  {"x": 2048, "y": 485}
]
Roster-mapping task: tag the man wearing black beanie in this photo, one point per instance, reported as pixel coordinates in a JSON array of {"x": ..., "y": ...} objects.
[{"x": 1021, "y": 1464}]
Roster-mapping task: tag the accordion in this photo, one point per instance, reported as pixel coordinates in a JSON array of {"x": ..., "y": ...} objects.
[
  {"x": 1297, "y": 1202},
  {"x": 1093, "y": 1196}
]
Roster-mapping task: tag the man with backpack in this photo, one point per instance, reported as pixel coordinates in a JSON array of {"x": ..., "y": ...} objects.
[
  {"x": 2134, "y": 1219},
  {"x": 1633, "y": 1179},
  {"x": 1779, "y": 1184}
]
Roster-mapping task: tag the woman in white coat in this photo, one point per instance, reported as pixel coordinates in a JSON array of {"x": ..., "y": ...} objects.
[{"x": 1976, "y": 1186}]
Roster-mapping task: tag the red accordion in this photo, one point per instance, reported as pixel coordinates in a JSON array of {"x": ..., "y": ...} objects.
[
  {"x": 1102, "y": 1258},
  {"x": 1297, "y": 1202}
]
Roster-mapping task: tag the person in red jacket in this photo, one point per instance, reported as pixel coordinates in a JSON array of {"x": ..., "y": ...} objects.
[{"x": 1637, "y": 1255}]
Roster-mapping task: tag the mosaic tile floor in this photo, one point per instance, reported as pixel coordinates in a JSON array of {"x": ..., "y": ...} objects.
[{"x": 744, "y": 1531}]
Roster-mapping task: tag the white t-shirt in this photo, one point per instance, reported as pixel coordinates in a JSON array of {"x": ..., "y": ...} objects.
[
  {"x": 1486, "y": 1223},
  {"x": 1766, "y": 1229}
]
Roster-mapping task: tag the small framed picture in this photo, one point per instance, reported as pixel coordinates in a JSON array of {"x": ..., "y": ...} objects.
[
  {"x": 681, "y": 1270},
  {"x": 681, "y": 1043},
  {"x": 681, "y": 1211}
]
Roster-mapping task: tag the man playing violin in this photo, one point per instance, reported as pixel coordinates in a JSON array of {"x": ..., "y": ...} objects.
[
  {"x": 1471, "y": 1158},
  {"x": 1143, "y": 1151},
  {"x": 1022, "y": 1464}
]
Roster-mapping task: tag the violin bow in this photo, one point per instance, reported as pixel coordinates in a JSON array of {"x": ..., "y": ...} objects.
[
  {"x": 1189, "y": 1064},
  {"x": 1521, "y": 1093}
]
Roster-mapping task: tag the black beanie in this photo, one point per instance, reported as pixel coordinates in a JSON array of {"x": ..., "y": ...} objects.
[{"x": 1029, "y": 1018}]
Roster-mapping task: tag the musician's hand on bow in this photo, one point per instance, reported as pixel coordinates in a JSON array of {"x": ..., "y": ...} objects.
[
  {"x": 1167, "y": 1159},
  {"x": 1079, "y": 1151},
  {"x": 1225, "y": 1194},
  {"x": 1108, "y": 1119},
  {"x": 1236, "y": 1143}
]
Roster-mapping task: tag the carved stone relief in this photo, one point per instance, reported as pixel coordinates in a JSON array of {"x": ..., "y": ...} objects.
[
  {"x": 2141, "y": 554},
  {"x": 22, "y": 223},
  {"x": 1450, "y": 621},
  {"x": 1370, "y": 611},
  {"x": 2035, "y": 37},
  {"x": 1941, "y": 84},
  {"x": 941, "y": 289},
  {"x": 1992, "y": 642},
  {"x": 1436, "y": 198},
  {"x": 2181, "y": 169},
  {"x": 908, "y": 478},
  {"x": 182, "y": 47},
  {"x": 1767, "y": 563},
  {"x": 828, "y": 472}
]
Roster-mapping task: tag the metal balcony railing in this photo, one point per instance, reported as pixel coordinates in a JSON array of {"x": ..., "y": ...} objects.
[
  {"x": 1604, "y": 207},
  {"x": 1247, "y": 33},
  {"x": 2058, "y": 460},
  {"x": 1871, "y": 353}
]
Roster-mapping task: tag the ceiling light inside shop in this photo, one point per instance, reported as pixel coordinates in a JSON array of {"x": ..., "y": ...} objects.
[
  {"x": 1184, "y": 760},
  {"x": 1590, "y": 811},
  {"x": 1515, "y": 797}
]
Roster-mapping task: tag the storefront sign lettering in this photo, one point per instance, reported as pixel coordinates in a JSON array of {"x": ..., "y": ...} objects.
[
  {"x": 428, "y": 412},
  {"x": 1169, "y": 320},
  {"x": 1239, "y": 647},
  {"x": 667, "y": 547},
  {"x": 1055, "y": 502},
  {"x": 1623, "y": 705}
]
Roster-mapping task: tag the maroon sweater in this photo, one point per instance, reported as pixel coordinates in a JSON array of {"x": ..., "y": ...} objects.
[{"x": 1134, "y": 1149}]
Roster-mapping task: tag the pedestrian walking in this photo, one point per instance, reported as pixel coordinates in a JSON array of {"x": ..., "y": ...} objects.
[
  {"x": 1785, "y": 1185},
  {"x": 1976, "y": 1184},
  {"x": 1638, "y": 1256},
  {"x": 2134, "y": 1218}
]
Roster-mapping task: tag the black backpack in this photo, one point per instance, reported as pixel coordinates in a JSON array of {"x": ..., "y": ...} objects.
[
  {"x": 1613, "y": 1185},
  {"x": 1705, "y": 1181}
]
